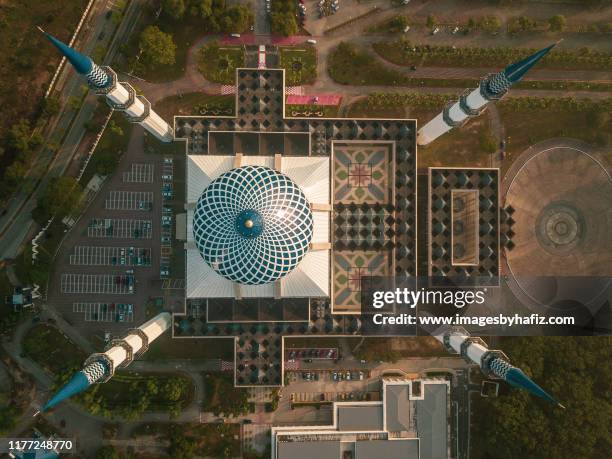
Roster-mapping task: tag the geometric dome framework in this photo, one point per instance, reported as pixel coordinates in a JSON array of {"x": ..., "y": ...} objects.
[{"x": 253, "y": 225}]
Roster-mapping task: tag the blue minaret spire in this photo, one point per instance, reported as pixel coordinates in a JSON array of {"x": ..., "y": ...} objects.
[
  {"x": 517, "y": 378},
  {"x": 471, "y": 104},
  {"x": 96, "y": 77},
  {"x": 500, "y": 82},
  {"x": 92, "y": 373},
  {"x": 491, "y": 362}
]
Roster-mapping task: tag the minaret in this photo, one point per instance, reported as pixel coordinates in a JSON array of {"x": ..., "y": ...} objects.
[
  {"x": 99, "y": 368},
  {"x": 470, "y": 104},
  {"x": 119, "y": 95},
  {"x": 492, "y": 362}
]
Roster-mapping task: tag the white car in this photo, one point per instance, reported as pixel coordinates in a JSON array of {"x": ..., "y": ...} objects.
[
  {"x": 235, "y": 35},
  {"x": 406, "y": 29},
  {"x": 311, "y": 41},
  {"x": 435, "y": 31}
]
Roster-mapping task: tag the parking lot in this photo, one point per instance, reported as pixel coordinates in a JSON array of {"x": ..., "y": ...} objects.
[
  {"x": 97, "y": 283},
  {"x": 87, "y": 255},
  {"x": 139, "y": 173},
  {"x": 129, "y": 200},
  {"x": 105, "y": 312},
  {"x": 119, "y": 228},
  {"x": 112, "y": 254}
]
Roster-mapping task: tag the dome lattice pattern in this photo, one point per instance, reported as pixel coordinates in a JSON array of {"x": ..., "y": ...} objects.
[{"x": 252, "y": 225}]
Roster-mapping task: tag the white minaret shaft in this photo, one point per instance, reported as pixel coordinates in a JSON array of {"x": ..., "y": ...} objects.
[{"x": 119, "y": 95}]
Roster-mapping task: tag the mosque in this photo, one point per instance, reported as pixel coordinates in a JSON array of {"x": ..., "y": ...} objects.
[{"x": 287, "y": 220}]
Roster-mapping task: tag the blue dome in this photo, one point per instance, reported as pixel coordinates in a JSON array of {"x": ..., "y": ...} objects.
[{"x": 252, "y": 225}]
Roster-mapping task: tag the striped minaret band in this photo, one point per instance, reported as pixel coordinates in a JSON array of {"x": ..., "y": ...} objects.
[
  {"x": 97, "y": 77},
  {"x": 499, "y": 83},
  {"x": 500, "y": 367},
  {"x": 94, "y": 372}
]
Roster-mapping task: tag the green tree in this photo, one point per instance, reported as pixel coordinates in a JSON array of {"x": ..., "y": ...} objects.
[
  {"x": 431, "y": 21},
  {"x": 51, "y": 107},
  {"x": 107, "y": 452},
  {"x": 283, "y": 23},
  {"x": 237, "y": 19},
  {"x": 173, "y": 389},
  {"x": 181, "y": 447},
  {"x": 202, "y": 8},
  {"x": 15, "y": 172},
  {"x": 174, "y": 8},
  {"x": 557, "y": 23},
  {"x": 157, "y": 47},
  {"x": 576, "y": 370},
  {"x": 61, "y": 196}
]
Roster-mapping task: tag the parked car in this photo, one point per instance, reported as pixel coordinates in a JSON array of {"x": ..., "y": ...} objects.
[{"x": 311, "y": 41}]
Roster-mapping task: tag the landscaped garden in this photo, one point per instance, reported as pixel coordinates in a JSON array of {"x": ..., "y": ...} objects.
[
  {"x": 218, "y": 64},
  {"x": 126, "y": 394},
  {"x": 311, "y": 111},
  {"x": 196, "y": 103},
  {"x": 300, "y": 64},
  {"x": 402, "y": 52}
]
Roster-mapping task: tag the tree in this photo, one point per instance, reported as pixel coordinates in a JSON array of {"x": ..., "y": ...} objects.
[
  {"x": 15, "y": 172},
  {"x": 174, "y": 8},
  {"x": 557, "y": 23},
  {"x": 51, "y": 107},
  {"x": 283, "y": 23},
  {"x": 202, "y": 8},
  {"x": 181, "y": 447},
  {"x": 575, "y": 369},
  {"x": 173, "y": 389},
  {"x": 237, "y": 19},
  {"x": 431, "y": 21},
  {"x": 107, "y": 452},
  {"x": 157, "y": 47},
  {"x": 61, "y": 196}
]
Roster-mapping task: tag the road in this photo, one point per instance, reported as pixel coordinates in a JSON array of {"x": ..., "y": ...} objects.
[{"x": 17, "y": 223}]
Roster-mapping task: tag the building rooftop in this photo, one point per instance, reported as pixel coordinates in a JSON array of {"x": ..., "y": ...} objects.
[{"x": 404, "y": 425}]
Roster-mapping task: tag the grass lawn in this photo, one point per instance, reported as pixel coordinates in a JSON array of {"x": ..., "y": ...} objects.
[
  {"x": 223, "y": 397},
  {"x": 300, "y": 64},
  {"x": 459, "y": 147},
  {"x": 165, "y": 348},
  {"x": 112, "y": 145},
  {"x": 423, "y": 346},
  {"x": 528, "y": 126},
  {"x": 196, "y": 103},
  {"x": 52, "y": 350},
  {"x": 218, "y": 64}
]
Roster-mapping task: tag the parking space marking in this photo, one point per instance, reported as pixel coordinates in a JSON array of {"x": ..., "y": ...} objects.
[
  {"x": 97, "y": 283},
  {"x": 105, "y": 312},
  {"x": 139, "y": 173},
  {"x": 87, "y": 255},
  {"x": 123, "y": 228},
  {"x": 129, "y": 200}
]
